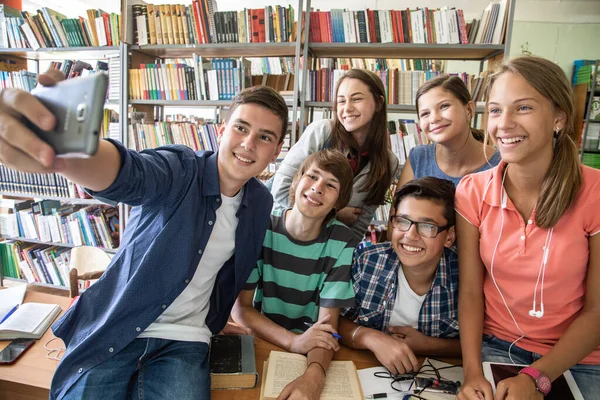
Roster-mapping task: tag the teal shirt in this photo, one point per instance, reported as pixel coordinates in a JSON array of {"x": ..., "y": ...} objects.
[{"x": 294, "y": 278}]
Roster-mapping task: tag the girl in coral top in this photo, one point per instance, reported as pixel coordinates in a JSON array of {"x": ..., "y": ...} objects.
[{"x": 529, "y": 248}]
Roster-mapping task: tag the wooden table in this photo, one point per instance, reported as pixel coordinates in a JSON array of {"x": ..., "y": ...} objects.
[{"x": 30, "y": 376}]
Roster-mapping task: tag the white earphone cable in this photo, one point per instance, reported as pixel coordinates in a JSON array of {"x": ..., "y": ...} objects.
[{"x": 503, "y": 200}]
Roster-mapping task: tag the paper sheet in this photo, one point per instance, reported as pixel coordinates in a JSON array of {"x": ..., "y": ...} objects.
[
  {"x": 372, "y": 384},
  {"x": 11, "y": 297}
]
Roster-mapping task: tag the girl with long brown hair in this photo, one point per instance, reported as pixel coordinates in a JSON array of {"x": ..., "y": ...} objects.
[
  {"x": 359, "y": 130},
  {"x": 529, "y": 247}
]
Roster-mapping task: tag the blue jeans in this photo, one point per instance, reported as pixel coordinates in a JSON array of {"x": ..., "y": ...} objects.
[
  {"x": 586, "y": 376},
  {"x": 149, "y": 368}
]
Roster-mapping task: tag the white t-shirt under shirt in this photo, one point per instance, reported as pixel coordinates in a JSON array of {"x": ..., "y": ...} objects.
[
  {"x": 407, "y": 305},
  {"x": 185, "y": 318}
]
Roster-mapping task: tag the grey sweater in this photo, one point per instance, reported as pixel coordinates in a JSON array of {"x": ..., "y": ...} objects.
[{"x": 316, "y": 137}]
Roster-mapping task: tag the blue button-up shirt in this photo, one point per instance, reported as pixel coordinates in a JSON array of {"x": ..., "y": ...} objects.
[
  {"x": 175, "y": 194},
  {"x": 375, "y": 276}
]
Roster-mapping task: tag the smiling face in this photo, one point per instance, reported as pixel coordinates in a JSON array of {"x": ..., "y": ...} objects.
[
  {"x": 521, "y": 121},
  {"x": 317, "y": 193},
  {"x": 248, "y": 142},
  {"x": 355, "y": 106},
  {"x": 442, "y": 117},
  {"x": 414, "y": 250}
]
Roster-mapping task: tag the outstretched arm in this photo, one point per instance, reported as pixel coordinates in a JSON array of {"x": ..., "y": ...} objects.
[{"x": 21, "y": 149}]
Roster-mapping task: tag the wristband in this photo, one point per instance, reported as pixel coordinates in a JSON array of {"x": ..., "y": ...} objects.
[
  {"x": 354, "y": 335},
  {"x": 320, "y": 365}
]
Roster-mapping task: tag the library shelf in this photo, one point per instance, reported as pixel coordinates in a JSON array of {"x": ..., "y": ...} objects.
[
  {"x": 70, "y": 200},
  {"x": 22, "y": 239},
  {"x": 285, "y": 49},
  {"x": 475, "y": 52},
  {"x": 63, "y": 53}
]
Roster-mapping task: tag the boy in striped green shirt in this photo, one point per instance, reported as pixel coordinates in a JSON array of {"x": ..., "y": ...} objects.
[{"x": 304, "y": 274}]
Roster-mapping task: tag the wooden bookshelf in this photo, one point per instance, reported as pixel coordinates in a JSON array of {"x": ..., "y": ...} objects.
[
  {"x": 219, "y": 50},
  {"x": 473, "y": 52}
]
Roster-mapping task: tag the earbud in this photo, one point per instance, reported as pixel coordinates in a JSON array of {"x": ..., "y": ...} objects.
[{"x": 538, "y": 314}]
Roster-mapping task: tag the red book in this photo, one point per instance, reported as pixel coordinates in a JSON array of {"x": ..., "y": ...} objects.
[
  {"x": 262, "y": 35},
  {"x": 254, "y": 28},
  {"x": 400, "y": 27},
  {"x": 395, "y": 27},
  {"x": 324, "y": 27},
  {"x": 372, "y": 32},
  {"x": 197, "y": 21},
  {"x": 464, "y": 37},
  {"x": 329, "y": 32},
  {"x": 106, "y": 19}
]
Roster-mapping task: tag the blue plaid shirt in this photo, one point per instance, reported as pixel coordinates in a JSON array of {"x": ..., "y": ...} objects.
[{"x": 375, "y": 275}]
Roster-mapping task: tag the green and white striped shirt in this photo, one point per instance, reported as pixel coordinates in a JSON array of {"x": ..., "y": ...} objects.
[{"x": 294, "y": 278}]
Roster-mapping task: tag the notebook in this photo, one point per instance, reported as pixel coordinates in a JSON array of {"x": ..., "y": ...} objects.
[{"x": 29, "y": 321}]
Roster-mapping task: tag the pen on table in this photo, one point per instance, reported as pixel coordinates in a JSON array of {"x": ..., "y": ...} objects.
[
  {"x": 386, "y": 395},
  {"x": 8, "y": 314},
  {"x": 335, "y": 335}
]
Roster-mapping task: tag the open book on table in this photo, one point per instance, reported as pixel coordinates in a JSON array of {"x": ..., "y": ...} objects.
[
  {"x": 282, "y": 368},
  {"x": 29, "y": 321}
]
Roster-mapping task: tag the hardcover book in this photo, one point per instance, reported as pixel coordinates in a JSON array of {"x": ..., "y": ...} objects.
[{"x": 232, "y": 362}]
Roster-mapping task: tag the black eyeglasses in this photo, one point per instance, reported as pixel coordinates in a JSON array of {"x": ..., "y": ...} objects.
[{"x": 424, "y": 229}]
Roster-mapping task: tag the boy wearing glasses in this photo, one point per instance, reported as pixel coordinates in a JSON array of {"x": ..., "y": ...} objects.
[{"x": 407, "y": 289}]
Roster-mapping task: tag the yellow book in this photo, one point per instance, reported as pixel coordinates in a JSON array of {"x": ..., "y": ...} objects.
[
  {"x": 165, "y": 23},
  {"x": 175, "y": 24},
  {"x": 158, "y": 24},
  {"x": 281, "y": 368},
  {"x": 151, "y": 23}
]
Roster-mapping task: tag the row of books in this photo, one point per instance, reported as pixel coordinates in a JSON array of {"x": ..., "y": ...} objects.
[
  {"x": 400, "y": 86},
  {"x": 55, "y": 185},
  {"x": 214, "y": 79},
  {"x": 53, "y": 222},
  {"x": 201, "y": 23},
  {"x": 423, "y": 25},
  {"x": 49, "y": 28},
  {"x": 195, "y": 134},
  {"x": 375, "y": 64},
  {"x": 35, "y": 263},
  {"x": 272, "y": 65},
  {"x": 24, "y": 80}
]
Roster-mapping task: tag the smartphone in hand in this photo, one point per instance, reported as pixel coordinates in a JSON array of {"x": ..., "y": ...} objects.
[{"x": 78, "y": 105}]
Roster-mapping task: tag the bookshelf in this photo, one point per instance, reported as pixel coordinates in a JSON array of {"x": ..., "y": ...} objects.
[
  {"x": 206, "y": 48},
  {"x": 482, "y": 53},
  {"x": 32, "y": 186}
]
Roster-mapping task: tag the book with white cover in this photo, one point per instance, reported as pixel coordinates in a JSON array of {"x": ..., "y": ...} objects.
[{"x": 29, "y": 321}]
